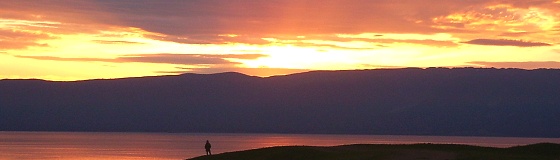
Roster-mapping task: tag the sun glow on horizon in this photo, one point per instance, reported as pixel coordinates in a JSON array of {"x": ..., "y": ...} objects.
[{"x": 40, "y": 44}]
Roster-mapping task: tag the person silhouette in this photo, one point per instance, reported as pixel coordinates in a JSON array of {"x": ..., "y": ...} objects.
[{"x": 207, "y": 146}]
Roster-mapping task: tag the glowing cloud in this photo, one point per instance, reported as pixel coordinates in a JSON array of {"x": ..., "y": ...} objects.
[{"x": 111, "y": 39}]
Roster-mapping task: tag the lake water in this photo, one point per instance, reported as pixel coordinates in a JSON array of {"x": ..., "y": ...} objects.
[{"x": 163, "y": 146}]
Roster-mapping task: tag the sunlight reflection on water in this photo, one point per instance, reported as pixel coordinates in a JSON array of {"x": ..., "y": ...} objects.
[{"x": 160, "y": 146}]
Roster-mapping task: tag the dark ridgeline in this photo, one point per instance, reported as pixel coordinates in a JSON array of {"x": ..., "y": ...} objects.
[
  {"x": 541, "y": 151},
  {"x": 435, "y": 101}
]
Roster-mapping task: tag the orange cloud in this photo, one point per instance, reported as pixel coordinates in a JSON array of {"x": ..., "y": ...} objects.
[
  {"x": 13, "y": 38},
  {"x": 500, "y": 17}
]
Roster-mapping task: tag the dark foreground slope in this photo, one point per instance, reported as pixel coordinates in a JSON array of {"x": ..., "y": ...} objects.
[
  {"x": 545, "y": 151},
  {"x": 474, "y": 102}
]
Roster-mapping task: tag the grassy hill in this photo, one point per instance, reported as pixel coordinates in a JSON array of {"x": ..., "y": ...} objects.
[{"x": 542, "y": 151}]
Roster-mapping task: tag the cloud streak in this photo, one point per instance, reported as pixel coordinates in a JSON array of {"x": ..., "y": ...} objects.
[
  {"x": 116, "y": 42},
  {"x": 506, "y": 42},
  {"x": 178, "y": 59}
]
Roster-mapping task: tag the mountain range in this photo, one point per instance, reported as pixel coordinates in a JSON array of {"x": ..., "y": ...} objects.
[{"x": 408, "y": 101}]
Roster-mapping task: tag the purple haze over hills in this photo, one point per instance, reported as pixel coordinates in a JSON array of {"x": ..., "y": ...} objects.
[{"x": 434, "y": 101}]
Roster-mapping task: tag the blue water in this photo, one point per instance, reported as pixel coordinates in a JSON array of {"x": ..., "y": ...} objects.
[{"x": 162, "y": 146}]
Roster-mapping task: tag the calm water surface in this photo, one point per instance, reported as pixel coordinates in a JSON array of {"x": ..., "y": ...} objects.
[{"x": 160, "y": 146}]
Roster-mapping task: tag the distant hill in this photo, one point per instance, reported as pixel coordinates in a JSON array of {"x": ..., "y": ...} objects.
[
  {"x": 543, "y": 151},
  {"x": 412, "y": 101}
]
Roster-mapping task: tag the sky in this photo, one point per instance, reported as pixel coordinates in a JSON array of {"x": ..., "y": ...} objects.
[{"x": 67, "y": 40}]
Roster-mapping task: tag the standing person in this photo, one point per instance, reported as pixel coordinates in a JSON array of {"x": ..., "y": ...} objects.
[{"x": 207, "y": 147}]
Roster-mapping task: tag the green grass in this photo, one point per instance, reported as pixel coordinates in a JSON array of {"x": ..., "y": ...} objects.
[{"x": 542, "y": 151}]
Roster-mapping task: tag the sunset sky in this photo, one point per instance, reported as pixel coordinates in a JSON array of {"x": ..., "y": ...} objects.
[{"x": 79, "y": 39}]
